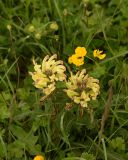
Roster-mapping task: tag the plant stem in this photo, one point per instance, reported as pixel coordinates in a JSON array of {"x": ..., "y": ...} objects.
[{"x": 104, "y": 148}]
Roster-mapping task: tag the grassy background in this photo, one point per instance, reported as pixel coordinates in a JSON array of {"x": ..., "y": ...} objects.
[{"x": 28, "y": 127}]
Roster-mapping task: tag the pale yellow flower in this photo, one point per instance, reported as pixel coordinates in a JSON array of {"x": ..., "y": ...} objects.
[
  {"x": 99, "y": 54},
  {"x": 83, "y": 99},
  {"x": 49, "y": 89},
  {"x": 76, "y": 80},
  {"x": 94, "y": 85},
  {"x": 38, "y": 157},
  {"x": 71, "y": 93},
  {"x": 81, "y": 88},
  {"x": 46, "y": 74},
  {"x": 40, "y": 80},
  {"x": 53, "y": 69}
]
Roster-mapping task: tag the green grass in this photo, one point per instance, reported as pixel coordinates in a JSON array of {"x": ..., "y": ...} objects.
[{"x": 29, "y": 127}]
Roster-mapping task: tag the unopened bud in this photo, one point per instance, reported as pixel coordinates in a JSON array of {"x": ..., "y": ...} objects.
[
  {"x": 9, "y": 27},
  {"x": 38, "y": 36},
  {"x": 31, "y": 28},
  {"x": 56, "y": 37},
  {"x": 54, "y": 26},
  {"x": 65, "y": 12}
]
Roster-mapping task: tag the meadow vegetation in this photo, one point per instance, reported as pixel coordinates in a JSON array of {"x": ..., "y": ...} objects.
[{"x": 63, "y": 80}]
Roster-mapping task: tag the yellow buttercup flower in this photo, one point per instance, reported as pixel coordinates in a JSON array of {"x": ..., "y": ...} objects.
[
  {"x": 81, "y": 88},
  {"x": 80, "y": 51},
  {"x": 38, "y": 157},
  {"x": 70, "y": 60},
  {"x": 46, "y": 74},
  {"x": 99, "y": 54},
  {"x": 78, "y": 61},
  {"x": 78, "y": 57}
]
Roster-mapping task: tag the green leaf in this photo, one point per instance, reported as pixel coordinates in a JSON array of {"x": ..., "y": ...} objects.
[
  {"x": 117, "y": 144},
  {"x": 88, "y": 156},
  {"x": 98, "y": 71}
]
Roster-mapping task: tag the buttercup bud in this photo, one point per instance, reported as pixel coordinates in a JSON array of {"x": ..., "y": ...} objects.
[
  {"x": 31, "y": 28},
  {"x": 65, "y": 12},
  {"x": 54, "y": 26},
  {"x": 9, "y": 27},
  {"x": 38, "y": 36}
]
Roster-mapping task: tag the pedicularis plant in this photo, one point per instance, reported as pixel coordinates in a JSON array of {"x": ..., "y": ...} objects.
[{"x": 80, "y": 87}]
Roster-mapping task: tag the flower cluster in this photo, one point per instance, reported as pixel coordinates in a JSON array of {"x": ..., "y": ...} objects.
[
  {"x": 80, "y": 52},
  {"x": 78, "y": 57},
  {"x": 46, "y": 74},
  {"x": 81, "y": 88}
]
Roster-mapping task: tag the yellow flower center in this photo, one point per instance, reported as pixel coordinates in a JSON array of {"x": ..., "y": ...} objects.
[
  {"x": 81, "y": 85},
  {"x": 48, "y": 72}
]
